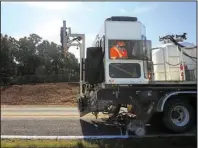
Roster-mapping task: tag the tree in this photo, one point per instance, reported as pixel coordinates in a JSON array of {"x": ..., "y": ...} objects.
[
  {"x": 32, "y": 60},
  {"x": 7, "y": 59}
]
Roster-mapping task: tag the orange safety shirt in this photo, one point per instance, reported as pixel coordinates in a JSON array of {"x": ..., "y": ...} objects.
[{"x": 116, "y": 53}]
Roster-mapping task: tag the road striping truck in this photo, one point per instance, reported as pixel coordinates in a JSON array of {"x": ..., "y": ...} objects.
[{"x": 119, "y": 71}]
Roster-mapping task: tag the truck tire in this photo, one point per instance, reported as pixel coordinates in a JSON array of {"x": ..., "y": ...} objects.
[{"x": 179, "y": 116}]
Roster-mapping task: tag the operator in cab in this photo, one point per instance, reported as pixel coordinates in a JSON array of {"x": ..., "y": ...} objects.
[{"x": 118, "y": 51}]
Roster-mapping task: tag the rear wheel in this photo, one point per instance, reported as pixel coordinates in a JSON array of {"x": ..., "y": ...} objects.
[{"x": 179, "y": 115}]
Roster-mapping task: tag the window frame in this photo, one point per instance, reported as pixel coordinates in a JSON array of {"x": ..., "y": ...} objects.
[
  {"x": 138, "y": 54},
  {"x": 139, "y": 71}
]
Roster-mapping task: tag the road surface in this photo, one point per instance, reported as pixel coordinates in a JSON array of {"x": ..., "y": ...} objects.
[{"x": 56, "y": 121}]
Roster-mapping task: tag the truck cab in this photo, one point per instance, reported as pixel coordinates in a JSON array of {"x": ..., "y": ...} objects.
[{"x": 125, "y": 49}]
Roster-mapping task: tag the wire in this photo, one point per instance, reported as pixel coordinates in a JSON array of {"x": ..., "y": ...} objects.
[
  {"x": 192, "y": 58},
  {"x": 174, "y": 64},
  {"x": 185, "y": 46},
  {"x": 179, "y": 45},
  {"x": 171, "y": 37}
]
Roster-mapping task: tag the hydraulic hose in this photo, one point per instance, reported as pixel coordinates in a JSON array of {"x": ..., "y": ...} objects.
[{"x": 181, "y": 46}]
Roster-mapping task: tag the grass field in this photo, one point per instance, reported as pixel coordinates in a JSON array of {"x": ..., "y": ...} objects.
[{"x": 173, "y": 142}]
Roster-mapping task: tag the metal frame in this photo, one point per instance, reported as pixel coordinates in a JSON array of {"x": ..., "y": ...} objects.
[
  {"x": 165, "y": 65},
  {"x": 67, "y": 44},
  {"x": 82, "y": 58},
  {"x": 163, "y": 58},
  {"x": 181, "y": 56}
]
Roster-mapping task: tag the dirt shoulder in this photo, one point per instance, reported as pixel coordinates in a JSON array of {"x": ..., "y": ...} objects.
[{"x": 40, "y": 94}]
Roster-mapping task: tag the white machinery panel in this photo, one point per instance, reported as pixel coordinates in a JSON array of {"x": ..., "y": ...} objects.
[
  {"x": 124, "y": 30},
  {"x": 133, "y": 76}
]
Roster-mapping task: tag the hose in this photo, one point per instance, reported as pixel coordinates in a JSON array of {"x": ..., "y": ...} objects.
[
  {"x": 174, "y": 64},
  {"x": 173, "y": 40},
  {"x": 181, "y": 46}
]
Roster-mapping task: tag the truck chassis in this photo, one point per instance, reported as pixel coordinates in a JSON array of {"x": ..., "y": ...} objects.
[{"x": 147, "y": 99}]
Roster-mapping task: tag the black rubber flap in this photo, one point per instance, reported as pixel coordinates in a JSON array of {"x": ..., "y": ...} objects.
[{"x": 94, "y": 65}]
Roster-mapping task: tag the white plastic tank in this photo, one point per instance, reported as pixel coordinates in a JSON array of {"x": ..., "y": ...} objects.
[{"x": 167, "y": 60}]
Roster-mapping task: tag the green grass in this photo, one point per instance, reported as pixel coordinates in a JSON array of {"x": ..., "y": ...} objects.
[
  {"x": 44, "y": 144},
  {"x": 184, "y": 142}
]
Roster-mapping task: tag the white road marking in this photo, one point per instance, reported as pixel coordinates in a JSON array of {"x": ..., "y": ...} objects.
[
  {"x": 62, "y": 137},
  {"x": 89, "y": 137}
]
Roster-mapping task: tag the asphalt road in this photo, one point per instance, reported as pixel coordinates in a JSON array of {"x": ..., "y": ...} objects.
[{"x": 57, "y": 121}]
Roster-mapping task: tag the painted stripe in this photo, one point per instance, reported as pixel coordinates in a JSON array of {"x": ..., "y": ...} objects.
[
  {"x": 38, "y": 106},
  {"x": 62, "y": 137},
  {"x": 91, "y": 137},
  {"x": 40, "y": 113},
  {"x": 48, "y": 116},
  {"x": 36, "y": 109}
]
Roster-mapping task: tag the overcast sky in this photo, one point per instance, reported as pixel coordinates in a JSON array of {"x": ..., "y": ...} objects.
[{"x": 19, "y": 19}]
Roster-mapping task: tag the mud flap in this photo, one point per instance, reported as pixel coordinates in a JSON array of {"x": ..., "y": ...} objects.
[{"x": 83, "y": 106}]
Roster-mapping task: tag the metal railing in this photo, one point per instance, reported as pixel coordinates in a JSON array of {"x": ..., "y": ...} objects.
[{"x": 188, "y": 74}]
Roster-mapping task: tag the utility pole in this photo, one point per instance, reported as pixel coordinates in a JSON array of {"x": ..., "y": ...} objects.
[{"x": 64, "y": 38}]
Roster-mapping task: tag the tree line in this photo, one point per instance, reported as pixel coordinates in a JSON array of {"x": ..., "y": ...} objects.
[{"x": 34, "y": 60}]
